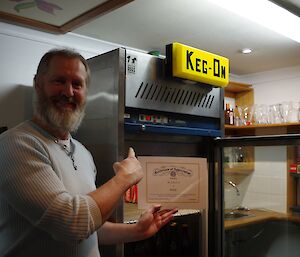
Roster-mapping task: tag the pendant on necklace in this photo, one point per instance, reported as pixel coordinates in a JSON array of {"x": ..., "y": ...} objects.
[
  {"x": 73, "y": 162},
  {"x": 68, "y": 152}
]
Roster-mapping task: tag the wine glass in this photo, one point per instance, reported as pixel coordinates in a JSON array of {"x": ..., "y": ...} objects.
[{"x": 246, "y": 114}]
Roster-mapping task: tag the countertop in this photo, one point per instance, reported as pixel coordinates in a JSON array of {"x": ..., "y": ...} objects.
[
  {"x": 258, "y": 216},
  {"x": 131, "y": 214}
]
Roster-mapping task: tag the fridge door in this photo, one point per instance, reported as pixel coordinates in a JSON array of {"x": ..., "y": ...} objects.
[{"x": 260, "y": 195}]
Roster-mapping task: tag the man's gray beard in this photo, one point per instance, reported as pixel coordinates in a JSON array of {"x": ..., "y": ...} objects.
[{"x": 62, "y": 120}]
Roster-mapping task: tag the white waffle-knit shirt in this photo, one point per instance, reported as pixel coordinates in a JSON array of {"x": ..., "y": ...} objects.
[{"x": 44, "y": 207}]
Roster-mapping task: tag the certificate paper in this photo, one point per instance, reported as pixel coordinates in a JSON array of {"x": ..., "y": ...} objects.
[{"x": 179, "y": 182}]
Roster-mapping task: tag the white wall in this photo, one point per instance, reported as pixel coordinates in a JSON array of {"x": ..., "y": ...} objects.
[
  {"x": 267, "y": 185},
  {"x": 20, "y": 51},
  {"x": 276, "y": 86}
]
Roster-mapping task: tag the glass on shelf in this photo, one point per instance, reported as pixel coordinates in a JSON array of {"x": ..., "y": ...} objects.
[
  {"x": 275, "y": 116},
  {"x": 237, "y": 117},
  {"x": 285, "y": 108},
  {"x": 289, "y": 111},
  {"x": 293, "y": 112},
  {"x": 233, "y": 155},
  {"x": 261, "y": 114},
  {"x": 246, "y": 114},
  {"x": 238, "y": 160}
]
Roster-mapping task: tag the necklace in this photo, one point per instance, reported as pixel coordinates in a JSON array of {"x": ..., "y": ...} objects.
[{"x": 70, "y": 152}]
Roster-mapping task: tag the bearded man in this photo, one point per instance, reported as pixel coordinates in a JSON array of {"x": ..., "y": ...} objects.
[{"x": 49, "y": 204}]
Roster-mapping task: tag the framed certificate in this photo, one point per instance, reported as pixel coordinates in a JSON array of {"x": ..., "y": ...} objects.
[{"x": 180, "y": 182}]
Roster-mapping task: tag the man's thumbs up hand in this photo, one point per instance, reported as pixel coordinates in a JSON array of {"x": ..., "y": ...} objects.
[{"x": 129, "y": 171}]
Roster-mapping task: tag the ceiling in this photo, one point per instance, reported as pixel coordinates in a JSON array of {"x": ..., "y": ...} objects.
[{"x": 150, "y": 25}]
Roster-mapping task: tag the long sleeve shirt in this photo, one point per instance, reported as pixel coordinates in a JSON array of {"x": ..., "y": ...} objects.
[{"x": 44, "y": 206}]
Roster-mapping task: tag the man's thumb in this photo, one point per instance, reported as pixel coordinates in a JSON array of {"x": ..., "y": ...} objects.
[{"x": 131, "y": 152}]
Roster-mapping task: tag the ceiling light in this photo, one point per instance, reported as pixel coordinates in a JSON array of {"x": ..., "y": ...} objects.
[
  {"x": 246, "y": 50},
  {"x": 266, "y": 14}
]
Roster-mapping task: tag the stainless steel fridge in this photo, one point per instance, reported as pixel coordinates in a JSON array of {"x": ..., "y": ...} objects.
[{"x": 132, "y": 101}]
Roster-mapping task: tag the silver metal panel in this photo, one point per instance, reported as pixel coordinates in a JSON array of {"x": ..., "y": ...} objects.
[
  {"x": 102, "y": 130},
  {"x": 147, "y": 87}
]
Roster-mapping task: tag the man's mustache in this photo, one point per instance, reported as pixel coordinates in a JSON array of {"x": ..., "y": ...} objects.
[{"x": 64, "y": 99}]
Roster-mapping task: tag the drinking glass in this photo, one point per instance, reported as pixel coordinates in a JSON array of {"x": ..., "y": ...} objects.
[
  {"x": 246, "y": 114},
  {"x": 293, "y": 112},
  {"x": 261, "y": 114},
  {"x": 274, "y": 114},
  {"x": 285, "y": 109}
]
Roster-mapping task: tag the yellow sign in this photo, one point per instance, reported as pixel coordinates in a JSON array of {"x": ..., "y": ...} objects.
[{"x": 198, "y": 65}]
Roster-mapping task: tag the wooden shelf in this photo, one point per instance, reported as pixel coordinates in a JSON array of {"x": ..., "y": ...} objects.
[
  {"x": 239, "y": 167},
  {"x": 243, "y": 95},
  {"x": 263, "y": 125},
  {"x": 235, "y": 87},
  {"x": 265, "y": 129},
  {"x": 244, "y": 167}
]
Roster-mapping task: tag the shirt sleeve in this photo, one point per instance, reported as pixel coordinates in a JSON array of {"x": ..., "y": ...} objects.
[{"x": 32, "y": 188}]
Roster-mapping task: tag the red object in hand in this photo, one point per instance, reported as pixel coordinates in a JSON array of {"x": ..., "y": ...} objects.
[
  {"x": 131, "y": 195},
  {"x": 127, "y": 196},
  {"x": 134, "y": 194}
]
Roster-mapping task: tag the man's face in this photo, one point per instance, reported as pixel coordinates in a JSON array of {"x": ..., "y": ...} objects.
[{"x": 61, "y": 93}]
